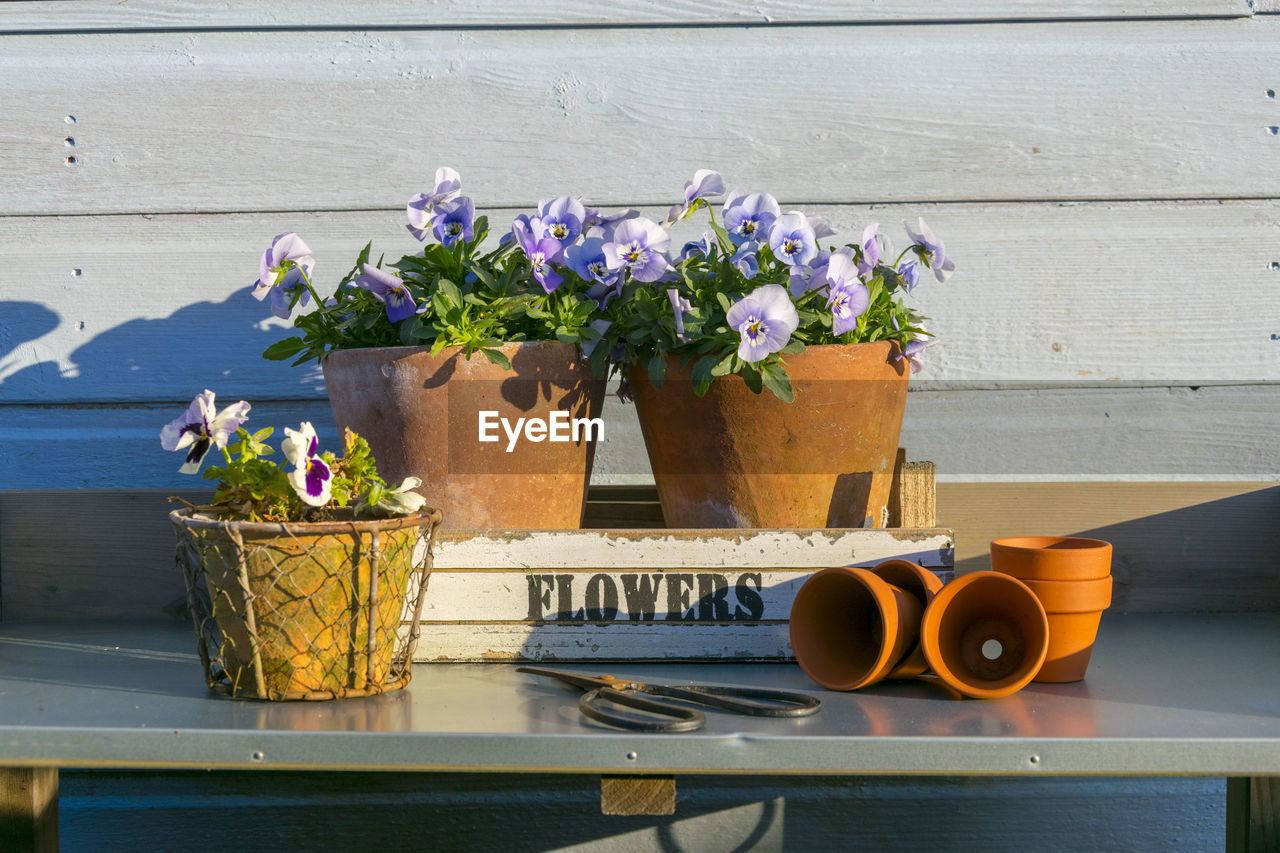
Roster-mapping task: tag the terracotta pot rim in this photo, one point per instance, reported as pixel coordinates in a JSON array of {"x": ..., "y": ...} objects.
[
  {"x": 1082, "y": 596},
  {"x": 450, "y": 351},
  {"x": 933, "y": 654},
  {"x": 1060, "y": 544},
  {"x": 930, "y": 583},
  {"x": 881, "y": 593},
  {"x": 189, "y": 518}
]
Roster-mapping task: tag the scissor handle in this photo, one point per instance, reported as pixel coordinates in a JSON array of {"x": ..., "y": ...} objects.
[
  {"x": 753, "y": 701},
  {"x": 678, "y": 718}
]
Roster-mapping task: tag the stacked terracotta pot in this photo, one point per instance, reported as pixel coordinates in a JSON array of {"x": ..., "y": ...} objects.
[
  {"x": 1072, "y": 578},
  {"x": 986, "y": 634}
]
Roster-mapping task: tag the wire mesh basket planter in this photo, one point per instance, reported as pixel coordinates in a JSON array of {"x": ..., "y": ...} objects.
[{"x": 305, "y": 610}]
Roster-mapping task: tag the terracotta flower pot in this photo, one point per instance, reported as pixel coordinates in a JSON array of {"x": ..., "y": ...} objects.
[
  {"x": 1074, "y": 609},
  {"x": 420, "y": 414},
  {"x": 1056, "y": 558},
  {"x": 736, "y": 459},
  {"x": 985, "y": 634},
  {"x": 924, "y": 585},
  {"x": 849, "y": 628}
]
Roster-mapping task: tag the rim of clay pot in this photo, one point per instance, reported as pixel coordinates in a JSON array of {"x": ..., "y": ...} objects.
[
  {"x": 1072, "y": 596},
  {"x": 798, "y": 364},
  {"x": 189, "y": 517},
  {"x": 1060, "y": 558},
  {"x": 965, "y": 616},
  {"x": 450, "y": 351},
  {"x": 911, "y": 577},
  {"x": 844, "y": 662}
]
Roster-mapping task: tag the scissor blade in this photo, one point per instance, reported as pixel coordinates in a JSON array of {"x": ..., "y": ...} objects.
[{"x": 586, "y": 682}]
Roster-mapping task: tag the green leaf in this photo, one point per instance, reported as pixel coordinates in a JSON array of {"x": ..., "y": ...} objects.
[
  {"x": 647, "y": 310},
  {"x": 725, "y": 302},
  {"x": 725, "y": 365},
  {"x": 702, "y": 374},
  {"x": 497, "y": 357},
  {"x": 751, "y": 376},
  {"x": 775, "y": 378},
  {"x": 450, "y": 291},
  {"x": 794, "y": 347},
  {"x": 287, "y": 348},
  {"x": 658, "y": 369}
]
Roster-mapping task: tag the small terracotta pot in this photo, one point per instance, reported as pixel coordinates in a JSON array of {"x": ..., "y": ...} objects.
[
  {"x": 849, "y": 628},
  {"x": 924, "y": 585},
  {"x": 1074, "y": 609},
  {"x": 1056, "y": 558},
  {"x": 969, "y": 613}
]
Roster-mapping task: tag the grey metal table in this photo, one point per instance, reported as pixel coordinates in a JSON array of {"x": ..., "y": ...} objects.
[{"x": 1166, "y": 695}]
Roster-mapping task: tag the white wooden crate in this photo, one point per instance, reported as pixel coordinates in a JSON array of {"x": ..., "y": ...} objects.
[{"x": 648, "y": 594}]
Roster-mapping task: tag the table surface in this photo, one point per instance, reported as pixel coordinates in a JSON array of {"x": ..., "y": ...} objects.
[{"x": 1166, "y": 694}]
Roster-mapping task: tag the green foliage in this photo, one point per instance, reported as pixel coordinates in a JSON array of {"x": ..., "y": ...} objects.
[{"x": 254, "y": 488}]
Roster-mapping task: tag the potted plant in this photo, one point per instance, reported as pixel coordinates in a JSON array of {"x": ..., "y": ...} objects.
[
  {"x": 397, "y": 338},
  {"x": 297, "y": 580},
  {"x": 758, "y": 304}
]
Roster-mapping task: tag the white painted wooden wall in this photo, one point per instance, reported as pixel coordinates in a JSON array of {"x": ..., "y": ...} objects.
[{"x": 1105, "y": 173}]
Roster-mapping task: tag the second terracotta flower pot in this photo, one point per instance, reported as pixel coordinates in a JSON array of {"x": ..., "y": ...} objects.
[
  {"x": 732, "y": 458},
  {"x": 849, "y": 628},
  {"x": 924, "y": 585},
  {"x": 985, "y": 634},
  {"x": 1074, "y": 610}
]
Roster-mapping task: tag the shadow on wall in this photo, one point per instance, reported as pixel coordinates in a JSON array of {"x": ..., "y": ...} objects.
[
  {"x": 215, "y": 345},
  {"x": 1217, "y": 556}
]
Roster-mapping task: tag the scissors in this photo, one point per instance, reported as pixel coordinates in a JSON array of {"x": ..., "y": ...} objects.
[{"x": 604, "y": 689}]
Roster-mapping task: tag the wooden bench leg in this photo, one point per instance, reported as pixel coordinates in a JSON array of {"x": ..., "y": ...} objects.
[
  {"x": 1253, "y": 814},
  {"x": 29, "y": 809},
  {"x": 637, "y": 795}
]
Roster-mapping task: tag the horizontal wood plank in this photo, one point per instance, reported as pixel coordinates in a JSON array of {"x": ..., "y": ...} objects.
[
  {"x": 614, "y": 594},
  {"x": 92, "y": 15},
  {"x": 85, "y": 554},
  {"x": 1039, "y": 434},
  {"x": 442, "y": 642},
  {"x": 1045, "y": 292},
  {"x": 341, "y": 120},
  {"x": 687, "y": 549}
]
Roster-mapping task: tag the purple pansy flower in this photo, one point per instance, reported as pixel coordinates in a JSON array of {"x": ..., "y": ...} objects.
[
  {"x": 792, "y": 240},
  {"x": 705, "y": 184},
  {"x": 679, "y": 306},
  {"x": 706, "y": 246},
  {"x": 201, "y": 427},
  {"x": 421, "y": 206},
  {"x": 749, "y": 217},
  {"x": 909, "y": 275},
  {"x": 870, "y": 251},
  {"x": 912, "y": 351},
  {"x": 595, "y": 218},
  {"x": 820, "y": 227},
  {"x": 388, "y": 289},
  {"x": 454, "y": 220},
  {"x": 281, "y": 272},
  {"x": 931, "y": 251},
  {"x": 311, "y": 477},
  {"x": 562, "y": 218},
  {"x": 847, "y": 297},
  {"x": 765, "y": 318},
  {"x": 811, "y": 276},
  {"x": 639, "y": 245},
  {"x": 745, "y": 261},
  {"x": 541, "y": 249}
]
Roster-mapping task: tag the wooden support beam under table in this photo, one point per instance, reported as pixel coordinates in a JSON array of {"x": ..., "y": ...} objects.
[{"x": 29, "y": 809}]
